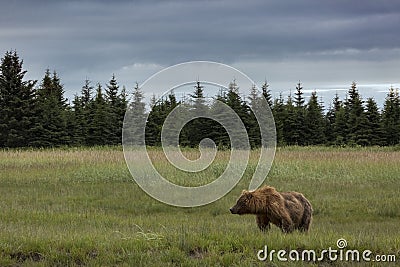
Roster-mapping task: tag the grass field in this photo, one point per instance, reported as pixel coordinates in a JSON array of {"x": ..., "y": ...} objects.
[{"x": 80, "y": 207}]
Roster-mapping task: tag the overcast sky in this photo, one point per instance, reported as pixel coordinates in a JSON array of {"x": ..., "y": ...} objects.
[{"x": 325, "y": 44}]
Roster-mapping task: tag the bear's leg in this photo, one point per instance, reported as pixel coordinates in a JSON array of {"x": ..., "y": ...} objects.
[
  {"x": 305, "y": 222},
  {"x": 286, "y": 225},
  {"x": 307, "y": 217},
  {"x": 263, "y": 222},
  {"x": 305, "y": 226}
]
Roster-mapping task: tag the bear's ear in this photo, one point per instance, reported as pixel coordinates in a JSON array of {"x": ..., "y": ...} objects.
[
  {"x": 244, "y": 192},
  {"x": 249, "y": 195}
]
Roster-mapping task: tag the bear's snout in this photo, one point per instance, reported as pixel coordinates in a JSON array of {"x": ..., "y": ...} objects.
[{"x": 233, "y": 210}]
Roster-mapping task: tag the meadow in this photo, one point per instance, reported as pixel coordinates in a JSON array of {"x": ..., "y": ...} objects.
[{"x": 81, "y": 207}]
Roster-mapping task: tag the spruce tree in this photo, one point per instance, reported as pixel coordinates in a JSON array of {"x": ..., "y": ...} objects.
[
  {"x": 78, "y": 123},
  {"x": 198, "y": 128},
  {"x": 158, "y": 114},
  {"x": 391, "y": 117},
  {"x": 217, "y": 131},
  {"x": 122, "y": 105},
  {"x": 70, "y": 126},
  {"x": 112, "y": 90},
  {"x": 314, "y": 122},
  {"x": 239, "y": 106},
  {"x": 113, "y": 102},
  {"x": 374, "y": 127},
  {"x": 278, "y": 111},
  {"x": 299, "y": 99},
  {"x": 59, "y": 90},
  {"x": 254, "y": 97},
  {"x": 135, "y": 121},
  {"x": 234, "y": 100},
  {"x": 256, "y": 105},
  {"x": 86, "y": 93},
  {"x": 153, "y": 128},
  {"x": 266, "y": 93},
  {"x": 99, "y": 131},
  {"x": 357, "y": 122},
  {"x": 17, "y": 101},
  {"x": 299, "y": 127},
  {"x": 289, "y": 122},
  {"x": 198, "y": 97},
  {"x": 331, "y": 115},
  {"x": 340, "y": 127},
  {"x": 51, "y": 112},
  {"x": 83, "y": 107}
]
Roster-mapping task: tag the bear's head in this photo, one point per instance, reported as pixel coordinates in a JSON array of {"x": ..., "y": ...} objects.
[{"x": 244, "y": 204}]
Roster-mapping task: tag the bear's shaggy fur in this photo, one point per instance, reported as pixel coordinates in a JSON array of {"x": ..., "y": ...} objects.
[{"x": 287, "y": 210}]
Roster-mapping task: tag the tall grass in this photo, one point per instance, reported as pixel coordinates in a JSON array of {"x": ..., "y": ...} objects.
[{"x": 67, "y": 207}]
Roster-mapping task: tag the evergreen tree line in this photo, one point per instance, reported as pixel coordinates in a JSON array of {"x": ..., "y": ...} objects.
[
  {"x": 352, "y": 121},
  {"x": 37, "y": 114}
]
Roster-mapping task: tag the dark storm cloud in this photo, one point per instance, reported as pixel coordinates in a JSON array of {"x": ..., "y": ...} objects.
[
  {"x": 95, "y": 38},
  {"x": 169, "y": 32}
]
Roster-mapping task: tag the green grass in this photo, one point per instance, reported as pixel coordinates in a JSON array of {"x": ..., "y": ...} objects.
[{"x": 71, "y": 207}]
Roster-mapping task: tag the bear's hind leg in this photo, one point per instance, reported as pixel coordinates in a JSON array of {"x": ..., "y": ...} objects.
[
  {"x": 305, "y": 223},
  {"x": 263, "y": 222},
  {"x": 286, "y": 226},
  {"x": 307, "y": 217}
]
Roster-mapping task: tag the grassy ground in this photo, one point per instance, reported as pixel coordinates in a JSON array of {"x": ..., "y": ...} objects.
[{"x": 81, "y": 207}]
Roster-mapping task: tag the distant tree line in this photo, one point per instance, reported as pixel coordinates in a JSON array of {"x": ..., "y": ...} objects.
[{"x": 36, "y": 114}]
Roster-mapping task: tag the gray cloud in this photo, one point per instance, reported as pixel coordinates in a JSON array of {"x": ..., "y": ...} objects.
[{"x": 316, "y": 41}]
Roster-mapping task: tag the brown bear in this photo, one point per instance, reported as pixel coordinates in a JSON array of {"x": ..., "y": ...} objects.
[{"x": 287, "y": 210}]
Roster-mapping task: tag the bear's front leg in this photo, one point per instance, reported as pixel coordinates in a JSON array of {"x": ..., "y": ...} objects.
[{"x": 263, "y": 222}]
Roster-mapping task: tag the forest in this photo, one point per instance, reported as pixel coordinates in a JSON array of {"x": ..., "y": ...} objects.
[{"x": 35, "y": 113}]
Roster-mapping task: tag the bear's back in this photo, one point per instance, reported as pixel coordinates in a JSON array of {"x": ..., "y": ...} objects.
[{"x": 294, "y": 203}]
